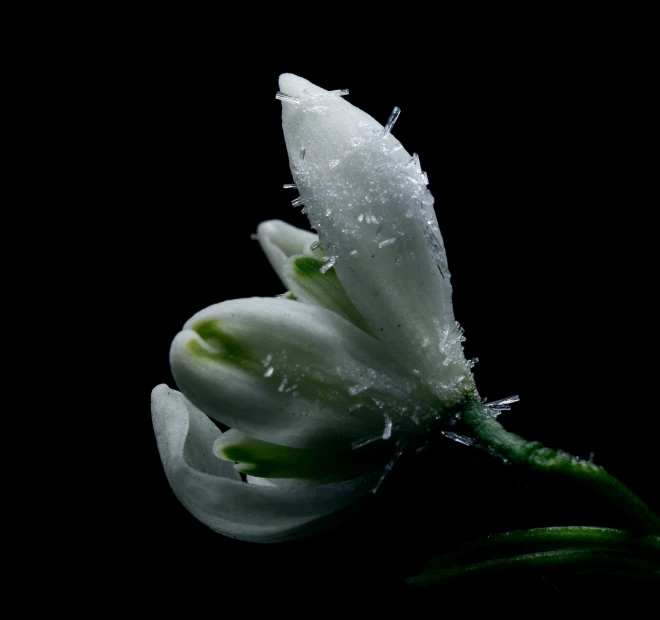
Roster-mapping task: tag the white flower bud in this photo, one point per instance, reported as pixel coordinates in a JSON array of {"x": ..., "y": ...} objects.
[
  {"x": 367, "y": 199},
  {"x": 292, "y": 374}
]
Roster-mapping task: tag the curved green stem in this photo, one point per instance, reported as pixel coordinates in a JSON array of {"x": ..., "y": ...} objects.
[
  {"x": 582, "y": 561},
  {"x": 533, "y": 454},
  {"x": 549, "y": 539}
]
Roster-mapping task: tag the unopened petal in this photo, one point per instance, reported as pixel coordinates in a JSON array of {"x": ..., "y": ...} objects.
[
  {"x": 280, "y": 240},
  {"x": 290, "y": 373},
  {"x": 368, "y": 200},
  {"x": 213, "y": 492}
]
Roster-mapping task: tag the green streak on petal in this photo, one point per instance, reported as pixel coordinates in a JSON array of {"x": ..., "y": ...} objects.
[
  {"x": 210, "y": 331},
  {"x": 237, "y": 454},
  {"x": 222, "y": 346},
  {"x": 291, "y": 296},
  {"x": 308, "y": 266},
  {"x": 199, "y": 351},
  {"x": 269, "y": 460},
  {"x": 324, "y": 289}
]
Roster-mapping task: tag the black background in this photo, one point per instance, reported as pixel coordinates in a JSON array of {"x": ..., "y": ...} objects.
[{"x": 534, "y": 156}]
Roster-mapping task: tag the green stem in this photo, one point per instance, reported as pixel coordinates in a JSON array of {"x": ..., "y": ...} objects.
[
  {"x": 533, "y": 454},
  {"x": 549, "y": 539},
  {"x": 582, "y": 561}
]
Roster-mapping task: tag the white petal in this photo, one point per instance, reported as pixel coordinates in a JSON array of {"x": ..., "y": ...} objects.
[
  {"x": 184, "y": 432},
  {"x": 289, "y": 373},
  {"x": 280, "y": 240},
  {"x": 231, "y": 506},
  {"x": 372, "y": 210}
]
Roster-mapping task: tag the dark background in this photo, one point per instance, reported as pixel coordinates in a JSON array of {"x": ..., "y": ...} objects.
[{"x": 534, "y": 159}]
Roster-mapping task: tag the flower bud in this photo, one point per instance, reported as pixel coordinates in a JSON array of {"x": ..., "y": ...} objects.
[
  {"x": 367, "y": 199},
  {"x": 293, "y": 374}
]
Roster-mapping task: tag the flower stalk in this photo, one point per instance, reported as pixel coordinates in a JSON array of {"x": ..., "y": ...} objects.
[{"x": 492, "y": 435}]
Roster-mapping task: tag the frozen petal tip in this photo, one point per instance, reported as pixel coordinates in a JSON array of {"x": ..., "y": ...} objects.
[{"x": 298, "y": 87}]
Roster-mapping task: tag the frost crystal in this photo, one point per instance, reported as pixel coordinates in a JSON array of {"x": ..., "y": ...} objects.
[
  {"x": 504, "y": 404},
  {"x": 365, "y": 442},
  {"x": 388, "y": 468},
  {"x": 390, "y": 121},
  {"x": 356, "y": 389},
  {"x": 414, "y": 162},
  {"x": 284, "y": 97},
  {"x": 466, "y": 441},
  {"x": 433, "y": 238},
  {"x": 330, "y": 263},
  {"x": 417, "y": 167},
  {"x": 387, "y": 242},
  {"x": 387, "y": 432}
]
